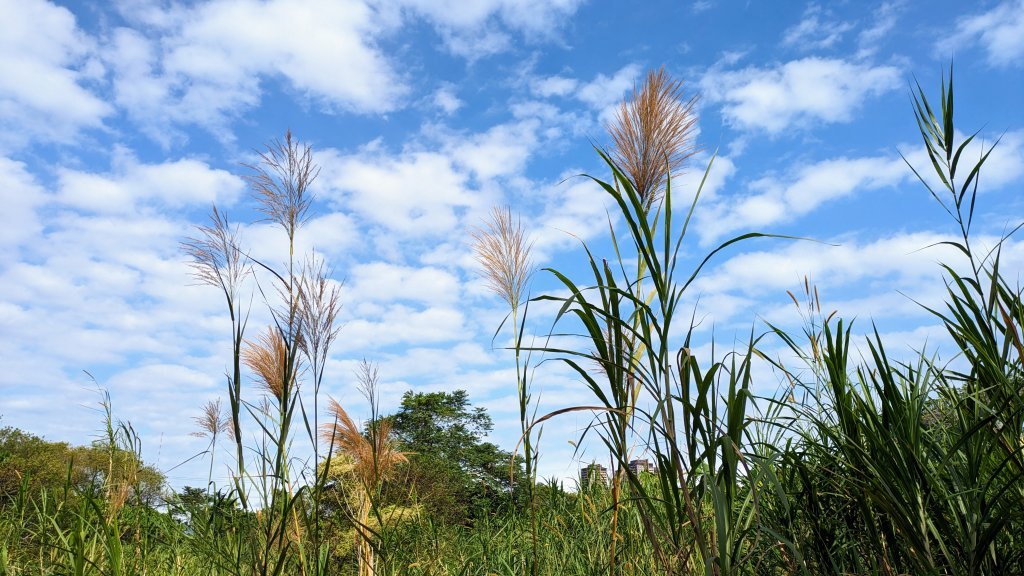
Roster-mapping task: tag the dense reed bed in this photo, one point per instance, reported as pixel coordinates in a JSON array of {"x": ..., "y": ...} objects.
[{"x": 858, "y": 466}]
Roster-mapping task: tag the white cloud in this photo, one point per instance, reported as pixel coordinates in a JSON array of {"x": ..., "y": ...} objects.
[
  {"x": 554, "y": 86},
  {"x": 601, "y": 95},
  {"x": 774, "y": 200},
  {"x": 419, "y": 193},
  {"x": 1000, "y": 31},
  {"x": 429, "y": 191},
  {"x": 1004, "y": 165},
  {"x": 384, "y": 282},
  {"x": 45, "y": 63},
  {"x": 605, "y": 92},
  {"x": 686, "y": 182},
  {"x": 399, "y": 324},
  {"x": 330, "y": 235},
  {"x": 885, "y": 18},
  {"x": 798, "y": 92},
  {"x": 816, "y": 30},
  {"x": 175, "y": 184},
  {"x": 885, "y": 282},
  {"x": 476, "y": 29},
  {"x": 576, "y": 209},
  {"x": 206, "y": 64},
  {"x": 22, "y": 197},
  {"x": 446, "y": 100},
  {"x": 500, "y": 151},
  {"x": 757, "y": 272}
]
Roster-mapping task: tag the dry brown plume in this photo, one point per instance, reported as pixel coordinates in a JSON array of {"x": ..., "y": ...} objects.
[
  {"x": 268, "y": 358},
  {"x": 503, "y": 251},
  {"x": 374, "y": 457},
  {"x": 653, "y": 133}
]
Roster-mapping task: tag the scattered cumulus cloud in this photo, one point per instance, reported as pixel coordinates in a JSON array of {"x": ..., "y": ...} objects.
[
  {"x": 575, "y": 209},
  {"x": 205, "y": 65},
  {"x": 999, "y": 31},
  {"x": 47, "y": 71},
  {"x": 446, "y": 100},
  {"x": 796, "y": 94},
  {"x": 554, "y": 86},
  {"x": 603, "y": 93},
  {"x": 386, "y": 282},
  {"x": 773, "y": 199},
  {"x": 19, "y": 221},
  {"x": 175, "y": 184},
  {"x": 782, "y": 268},
  {"x": 477, "y": 29},
  {"x": 414, "y": 194},
  {"x": 884, "y": 21},
  {"x": 816, "y": 30}
]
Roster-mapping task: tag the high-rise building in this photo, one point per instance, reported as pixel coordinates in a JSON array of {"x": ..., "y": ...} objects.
[
  {"x": 593, "y": 473},
  {"x": 642, "y": 465}
]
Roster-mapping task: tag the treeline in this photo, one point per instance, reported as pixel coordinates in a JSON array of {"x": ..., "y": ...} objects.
[{"x": 449, "y": 474}]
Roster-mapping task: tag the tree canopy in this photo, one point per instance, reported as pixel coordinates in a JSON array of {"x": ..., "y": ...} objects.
[
  {"x": 452, "y": 471},
  {"x": 40, "y": 465}
]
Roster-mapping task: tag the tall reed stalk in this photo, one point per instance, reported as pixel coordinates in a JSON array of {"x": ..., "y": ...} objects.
[
  {"x": 217, "y": 260},
  {"x": 503, "y": 249}
]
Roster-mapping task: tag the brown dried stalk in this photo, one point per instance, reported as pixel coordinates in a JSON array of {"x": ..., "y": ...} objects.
[{"x": 653, "y": 134}]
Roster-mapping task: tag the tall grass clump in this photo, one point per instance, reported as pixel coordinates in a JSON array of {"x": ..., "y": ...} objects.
[
  {"x": 278, "y": 494},
  {"x": 650, "y": 390},
  {"x": 370, "y": 459},
  {"x": 916, "y": 467}
]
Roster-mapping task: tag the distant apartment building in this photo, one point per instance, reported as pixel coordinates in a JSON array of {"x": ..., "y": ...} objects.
[
  {"x": 597, "y": 473},
  {"x": 593, "y": 473},
  {"x": 642, "y": 465}
]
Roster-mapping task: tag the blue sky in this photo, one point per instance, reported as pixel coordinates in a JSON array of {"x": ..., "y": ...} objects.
[{"x": 122, "y": 122}]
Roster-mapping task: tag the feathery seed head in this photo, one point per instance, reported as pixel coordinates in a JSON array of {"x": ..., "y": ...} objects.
[
  {"x": 212, "y": 421},
  {"x": 374, "y": 458},
  {"x": 268, "y": 358},
  {"x": 319, "y": 305},
  {"x": 216, "y": 257},
  {"x": 503, "y": 251},
  {"x": 653, "y": 133},
  {"x": 280, "y": 182}
]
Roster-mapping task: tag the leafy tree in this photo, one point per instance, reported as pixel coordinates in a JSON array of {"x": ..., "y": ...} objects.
[
  {"x": 58, "y": 467},
  {"x": 452, "y": 472}
]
